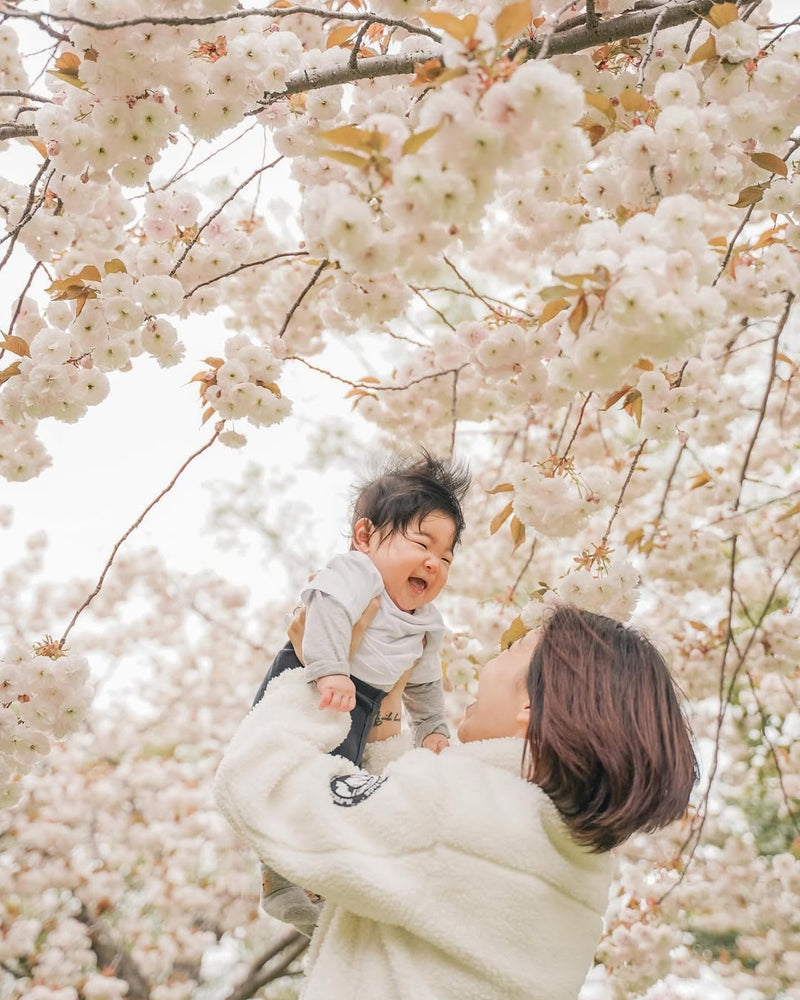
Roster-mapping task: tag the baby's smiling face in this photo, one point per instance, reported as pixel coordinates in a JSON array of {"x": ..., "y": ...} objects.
[{"x": 414, "y": 565}]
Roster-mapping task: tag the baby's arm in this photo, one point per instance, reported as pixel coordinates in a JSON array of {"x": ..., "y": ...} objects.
[
  {"x": 326, "y": 651},
  {"x": 425, "y": 705}
]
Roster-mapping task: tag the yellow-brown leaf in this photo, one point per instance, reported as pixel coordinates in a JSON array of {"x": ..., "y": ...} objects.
[
  {"x": 699, "y": 480},
  {"x": 340, "y": 35},
  {"x": 615, "y": 397},
  {"x": 10, "y": 372},
  {"x": 632, "y": 100},
  {"x": 39, "y": 147},
  {"x": 633, "y": 406},
  {"x": 517, "y": 532},
  {"x": 502, "y": 488},
  {"x": 512, "y": 20},
  {"x": 771, "y": 162},
  {"x": 750, "y": 195},
  {"x": 602, "y": 104},
  {"x": 208, "y": 413},
  {"x": 69, "y": 78},
  {"x": 633, "y": 538},
  {"x": 707, "y": 50},
  {"x": 68, "y": 62},
  {"x": 552, "y": 309},
  {"x": 16, "y": 345},
  {"x": 722, "y": 14},
  {"x": 89, "y": 273},
  {"x": 499, "y": 519},
  {"x": 416, "y": 141},
  {"x": 515, "y": 631},
  {"x": 365, "y": 140},
  {"x": 345, "y": 156},
  {"x": 578, "y": 314},
  {"x": 115, "y": 266},
  {"x": 462, "y": 28},
  {"x": 214, "y": 362}
]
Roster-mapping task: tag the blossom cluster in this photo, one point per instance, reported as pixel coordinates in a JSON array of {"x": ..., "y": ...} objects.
[{"x": 40, "y": 698}]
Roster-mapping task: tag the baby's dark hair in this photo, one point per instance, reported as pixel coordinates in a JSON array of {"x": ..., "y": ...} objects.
[{"x": 408, "y": 490}]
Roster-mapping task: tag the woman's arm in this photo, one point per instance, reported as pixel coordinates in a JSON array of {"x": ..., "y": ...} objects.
[{"x": 351, "y": 836}]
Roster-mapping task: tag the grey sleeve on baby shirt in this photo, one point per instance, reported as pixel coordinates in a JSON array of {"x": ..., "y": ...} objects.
[
  {"x": 326, "y": 641},
  {"x": 425, "y": 704}
]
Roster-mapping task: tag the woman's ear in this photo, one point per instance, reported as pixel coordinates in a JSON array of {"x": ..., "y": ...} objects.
[
  {"x": 362, "y": 532},
  {"x": 523, "y": 719}
]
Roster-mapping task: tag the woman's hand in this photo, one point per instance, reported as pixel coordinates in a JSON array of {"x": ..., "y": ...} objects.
[{"x": 298, "y": 626}]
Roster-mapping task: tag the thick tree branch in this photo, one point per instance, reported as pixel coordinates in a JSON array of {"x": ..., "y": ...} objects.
[
  {"x": 212, "y": 19},
  {"x": 288, "y": 948},
  {"x": 110, "y": 954},
  {"x": 9, "y": 131},
  {"x": 331, "y": 76}
]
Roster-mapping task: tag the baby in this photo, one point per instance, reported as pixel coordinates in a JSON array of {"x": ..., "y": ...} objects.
[{"x": 406, "y": 525}]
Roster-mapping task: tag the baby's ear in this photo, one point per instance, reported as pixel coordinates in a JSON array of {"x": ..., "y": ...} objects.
[{"x": 362, "y": 532}]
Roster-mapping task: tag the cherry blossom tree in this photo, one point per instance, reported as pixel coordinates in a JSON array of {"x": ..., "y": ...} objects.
[{"x": 565, "y": 240}]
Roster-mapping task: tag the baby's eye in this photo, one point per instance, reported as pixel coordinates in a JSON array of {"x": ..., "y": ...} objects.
[{"x": 421, "y": 543}]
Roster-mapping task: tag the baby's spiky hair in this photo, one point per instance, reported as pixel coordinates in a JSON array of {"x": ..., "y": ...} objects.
[{"x": 409, "y": 489}]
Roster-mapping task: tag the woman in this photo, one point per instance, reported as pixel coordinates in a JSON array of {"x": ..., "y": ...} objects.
[{"x": 481, "y": 873}]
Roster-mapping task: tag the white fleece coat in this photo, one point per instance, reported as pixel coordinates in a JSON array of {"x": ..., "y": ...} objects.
[{"x": 446, "y": 877}]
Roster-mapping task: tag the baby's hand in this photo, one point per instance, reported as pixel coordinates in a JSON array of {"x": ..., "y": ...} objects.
[
  {"x": 337, "y": 691},
  {"x": 436, "y": 742}
]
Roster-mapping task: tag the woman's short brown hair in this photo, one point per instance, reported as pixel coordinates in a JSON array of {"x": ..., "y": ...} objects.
[{"x": 607, "y": 739}]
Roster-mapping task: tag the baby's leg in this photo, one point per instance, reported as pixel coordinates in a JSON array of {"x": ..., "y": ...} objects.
[{"x": 286, "y": 901}]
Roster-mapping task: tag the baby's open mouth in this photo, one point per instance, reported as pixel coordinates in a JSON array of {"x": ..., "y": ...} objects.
[{"x": 417, "y": 583}]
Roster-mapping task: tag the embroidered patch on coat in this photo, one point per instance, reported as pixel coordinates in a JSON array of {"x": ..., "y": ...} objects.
[{"x": 350, "y": 789}]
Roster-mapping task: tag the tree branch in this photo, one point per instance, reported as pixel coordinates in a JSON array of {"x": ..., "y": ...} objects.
[
  {"x": 209, "y": 19},
  {"x": 292, "y": 945},
  {"x": 243, "y": 267},
  {"x": 312, "y": 281},
  {"x": 136, "y": 523},
  {"x": 111, "y": 954},
  {"x": 220, "y": 207}
]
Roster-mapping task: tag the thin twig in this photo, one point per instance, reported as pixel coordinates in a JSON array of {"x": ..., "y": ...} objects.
[
  {"x": 312, "y": 281},
  {"x": 522, "y": 572},
  {"x": 432, "y": 307},
  {"x": 454, "y": 418},
  {"x": 370, "y": 386},
  {"x": 21, "y": 299},
  {"x": 136, "y": 523},
  {"x": 352, "y": 62},
  {"x": 477, "y": 294},
  {"x": 618, "y": 504},
  {"x": 765, "y": 399},
  {"x": 242, "y": 267},
  {"x": 576, "y": 429},
  {"x": 219, "y": 208}
]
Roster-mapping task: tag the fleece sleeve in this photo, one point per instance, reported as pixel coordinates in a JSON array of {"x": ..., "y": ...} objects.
[{"x": 351, "y": 836}]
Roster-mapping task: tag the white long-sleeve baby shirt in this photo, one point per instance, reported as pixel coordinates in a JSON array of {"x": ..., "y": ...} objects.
[{"x": 392, "y": 643}]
